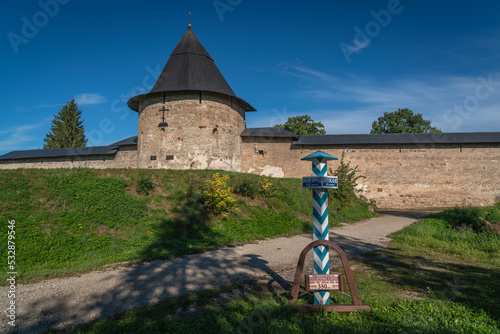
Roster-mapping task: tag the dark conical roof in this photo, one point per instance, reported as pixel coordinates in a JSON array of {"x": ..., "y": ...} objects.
[{"x": 190, "y": 68}]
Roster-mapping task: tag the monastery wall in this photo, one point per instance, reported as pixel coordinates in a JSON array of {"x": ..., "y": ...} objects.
[
  {"x": 126, "y": 157},
  {"x": 397, "y": 176}
]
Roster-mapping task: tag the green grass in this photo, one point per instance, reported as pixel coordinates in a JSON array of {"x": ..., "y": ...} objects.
[
  {"x": 70, "y": 221},
  {"x": 271, "y": 315},
  {"x": 453, "y": 235},
  {"x": 420, "y": 284}
]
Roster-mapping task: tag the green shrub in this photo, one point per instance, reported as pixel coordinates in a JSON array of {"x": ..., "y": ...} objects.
[
  {"x": 492, "y": 213},
  {"x": 247, "y": 186},
  {"x": 145, "y": 185},
  {"x": 218, "y": 196},
  {"x": 347, "y": 190},
  {"x": 462, "y": 218},
  {"x": 252, "y": 185}
]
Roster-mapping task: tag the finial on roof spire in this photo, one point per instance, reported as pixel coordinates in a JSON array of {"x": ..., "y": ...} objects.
[{"x": 189, "y": 25}]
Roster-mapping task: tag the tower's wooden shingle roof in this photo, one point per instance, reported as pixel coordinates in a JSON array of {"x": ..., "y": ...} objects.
[{"x": 190, "y": 68}]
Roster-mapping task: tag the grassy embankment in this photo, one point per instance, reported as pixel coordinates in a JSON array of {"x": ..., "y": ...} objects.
[
  {"x": 439, "y": 275},
  {"x": 70, "y": 221}
]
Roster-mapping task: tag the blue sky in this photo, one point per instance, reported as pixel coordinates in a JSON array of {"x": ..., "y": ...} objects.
[{"x": 344, "y": 63}]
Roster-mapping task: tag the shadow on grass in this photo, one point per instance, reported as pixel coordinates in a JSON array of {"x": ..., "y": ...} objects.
[
  {"x": 188, "y": 232},
  {"x": 469, "y": 285},
  {"x": 147, "y": 284},
  {"x": 413, "y": 214}
]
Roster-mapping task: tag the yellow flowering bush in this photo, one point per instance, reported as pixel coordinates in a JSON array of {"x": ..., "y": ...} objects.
[
  {"x": 266, "y": 186},
  {"x": 218, "y": 196}
]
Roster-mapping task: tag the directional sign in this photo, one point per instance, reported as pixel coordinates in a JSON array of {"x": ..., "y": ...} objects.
[{"x": 316, "y": 182}]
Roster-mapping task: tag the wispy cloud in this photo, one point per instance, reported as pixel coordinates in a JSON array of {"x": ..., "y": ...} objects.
[
  {"x": 46, "y": 105},
  {"x": 453, "y": 103},
  {"x": 90, "y": 98},
  {"x": 16, "y": 137}
]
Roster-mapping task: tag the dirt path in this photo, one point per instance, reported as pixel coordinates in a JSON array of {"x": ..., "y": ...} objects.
[{"x": 64, "y": 302}]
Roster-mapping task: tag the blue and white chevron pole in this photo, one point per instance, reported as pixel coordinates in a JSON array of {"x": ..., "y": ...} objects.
[{"x": 320, "y": 183}]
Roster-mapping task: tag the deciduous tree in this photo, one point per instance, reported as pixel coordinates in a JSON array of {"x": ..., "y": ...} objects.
[
  {"x": 403, "y": 121},
  {"x": 303, "y": 125}
]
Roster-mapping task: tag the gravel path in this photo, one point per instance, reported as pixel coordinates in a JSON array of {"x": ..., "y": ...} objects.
[{"x": 67, "y": 301}]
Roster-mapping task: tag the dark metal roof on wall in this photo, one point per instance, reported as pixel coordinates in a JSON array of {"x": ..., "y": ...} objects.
[
  {"x": 70, "y": 152},
  {"x": 373, "y": 139},
  {"x": 128, "y": 141},
  {"x": 402, "y": 138},
  {"x": 190, "y": 68},
  {"x": 60, "y": 152},
  {"x": 267, "y": 132}
]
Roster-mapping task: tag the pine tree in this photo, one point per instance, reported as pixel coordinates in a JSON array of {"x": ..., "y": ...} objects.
[{"x": 67, "y": 128}]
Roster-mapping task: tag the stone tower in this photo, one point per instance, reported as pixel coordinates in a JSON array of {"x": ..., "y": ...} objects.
[{"x": 191, "y": 118}]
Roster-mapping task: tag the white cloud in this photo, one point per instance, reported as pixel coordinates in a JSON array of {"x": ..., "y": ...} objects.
[
  {"x": 90, "y": 98},
  {"x": 453, "y": 103},
  {"x": 46, "y": 105},
  {"x": 17, "y": 136}
]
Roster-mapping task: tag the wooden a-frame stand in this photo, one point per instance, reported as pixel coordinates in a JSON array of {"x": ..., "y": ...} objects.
[{"x": 357, "y": 304}]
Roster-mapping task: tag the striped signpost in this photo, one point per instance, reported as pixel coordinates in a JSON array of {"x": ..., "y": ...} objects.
[{"x": 320, "y": 183}]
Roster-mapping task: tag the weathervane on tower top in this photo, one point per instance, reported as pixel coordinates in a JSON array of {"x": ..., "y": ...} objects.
[{"x": 189, "y": 25}]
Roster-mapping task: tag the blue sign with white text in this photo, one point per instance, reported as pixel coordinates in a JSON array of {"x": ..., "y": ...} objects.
[{"x": 314, "y": 182}]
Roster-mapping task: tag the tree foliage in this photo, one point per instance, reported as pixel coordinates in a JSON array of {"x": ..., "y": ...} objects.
[
  {"x": 403, "y": 121},
  {"x": 347, "y": 190},
  {"x": 303, "y": 125},
  {"x": 67, "y": 128}
]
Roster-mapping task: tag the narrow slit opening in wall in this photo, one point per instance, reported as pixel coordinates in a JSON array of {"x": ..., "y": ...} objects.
[
  {"x": 200, "y": 97},
  {"x": 399, "y": 149},
  {"x": 460, "y": 148},
  {"x": 346, "y": 149}
]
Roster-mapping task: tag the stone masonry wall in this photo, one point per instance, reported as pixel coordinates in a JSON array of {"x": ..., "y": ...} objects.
[
  {"x": 203, "y": 132},
  {"x": 126, "y": 157},
  {"x": 398, "y": 176}
]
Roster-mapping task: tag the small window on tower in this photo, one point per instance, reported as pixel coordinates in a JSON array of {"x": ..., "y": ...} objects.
[
  {"x": 170, "y": 157},
  {"x": 153, "y": 157}
]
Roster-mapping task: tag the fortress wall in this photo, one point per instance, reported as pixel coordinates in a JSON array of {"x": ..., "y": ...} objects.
[
  {"x": 201, "y": 134},
  {"x": 397, "y": 176},
  {"x": 125, "y": 158}
]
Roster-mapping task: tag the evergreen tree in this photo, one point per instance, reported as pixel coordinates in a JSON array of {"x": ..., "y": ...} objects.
[
  {"x": 303, "y": 125},
  {"x": 403, "y": 121},
  {"x": 67, "y": 128}
]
